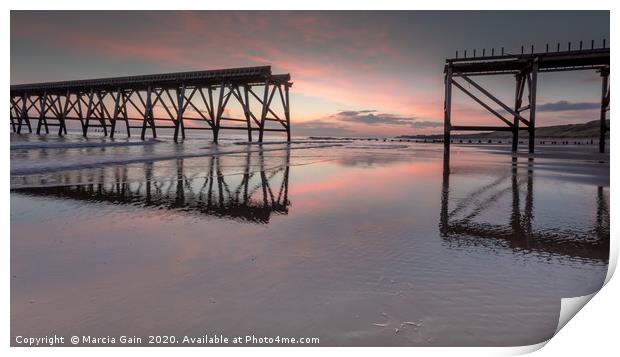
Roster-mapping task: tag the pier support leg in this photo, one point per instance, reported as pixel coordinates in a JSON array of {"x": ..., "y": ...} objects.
[
  {"x": 89, "y": 113},
  {"x": 532, "y": 126},
  {"x": 62, "y": 127},
  {"x": 42, "y": 111},
  {"x": 263, "y": 113},
  {"x": 126, "y": 116},
  {"x": 220, "y": 110},
  {"x": 14, "y": 114},
  {"x": 604, "y": 107},
  {"x": 247, "y": 111},
  {"x": 116, "y": 112},
  {"x": 78, "y": 106},
  {"x": 178, "y": 125},
  {"x": 518, "y": 101},
  {"x": 24, "y": 117},
  {"x": 102, "y": 112},
  {"x": 148, "y": 115},
  {"x": 19, "y": 122},
  {"x": 287, "y": 113},
  {"x": 447, "y": 109}
]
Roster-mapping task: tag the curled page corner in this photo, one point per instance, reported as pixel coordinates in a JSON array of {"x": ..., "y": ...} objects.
[
  {"x": 613, "y": 259},
  {"x": 570, "y": 307},
  {"x": 523, "y": 350}
]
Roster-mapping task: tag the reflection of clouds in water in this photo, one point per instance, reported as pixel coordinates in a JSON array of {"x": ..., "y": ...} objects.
[
  {"x": 374, "y": 155},
  {"x": 371, "y": 160}
]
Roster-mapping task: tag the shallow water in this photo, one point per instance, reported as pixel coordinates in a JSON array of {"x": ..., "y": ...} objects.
[{"x": 356, "y": 243}]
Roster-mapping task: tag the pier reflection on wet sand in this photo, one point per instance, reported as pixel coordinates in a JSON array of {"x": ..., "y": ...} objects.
[
  {"x": 458, "y": 226},
  {"x": 253, "y": 199}
]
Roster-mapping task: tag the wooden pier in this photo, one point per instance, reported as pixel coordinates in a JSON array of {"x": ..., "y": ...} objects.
[{"x": 158, "y": 101}]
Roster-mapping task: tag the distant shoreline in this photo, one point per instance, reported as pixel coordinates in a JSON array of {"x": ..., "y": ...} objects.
[
  {"x": 556, "y": 134},
  {"x": 589, "y": 130},
  {"x": 466, "y": 140}
]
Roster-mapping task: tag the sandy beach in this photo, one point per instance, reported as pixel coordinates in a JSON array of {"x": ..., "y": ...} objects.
[{"x": 354, "y": 243}]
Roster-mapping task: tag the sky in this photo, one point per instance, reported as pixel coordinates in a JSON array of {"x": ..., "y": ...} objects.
[{"x": 355, "y": 73}]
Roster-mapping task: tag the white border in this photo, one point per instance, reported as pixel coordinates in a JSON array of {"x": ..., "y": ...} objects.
[{"x": 590, "y": 332}]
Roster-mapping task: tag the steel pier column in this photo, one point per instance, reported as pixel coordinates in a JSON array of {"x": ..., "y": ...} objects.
[
  {"x": 532, "y": 126},
  {"x": 604, "y": 107},
  {"x": 518, "y": 101},
  {"x": 447, "y": 108}
]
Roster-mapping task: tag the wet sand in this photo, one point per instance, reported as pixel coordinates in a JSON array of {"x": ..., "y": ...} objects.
[{"x": 358, "y": 244}]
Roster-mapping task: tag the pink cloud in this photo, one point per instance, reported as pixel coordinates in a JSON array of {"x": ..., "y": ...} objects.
[{"x": 329, "y": 61}]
